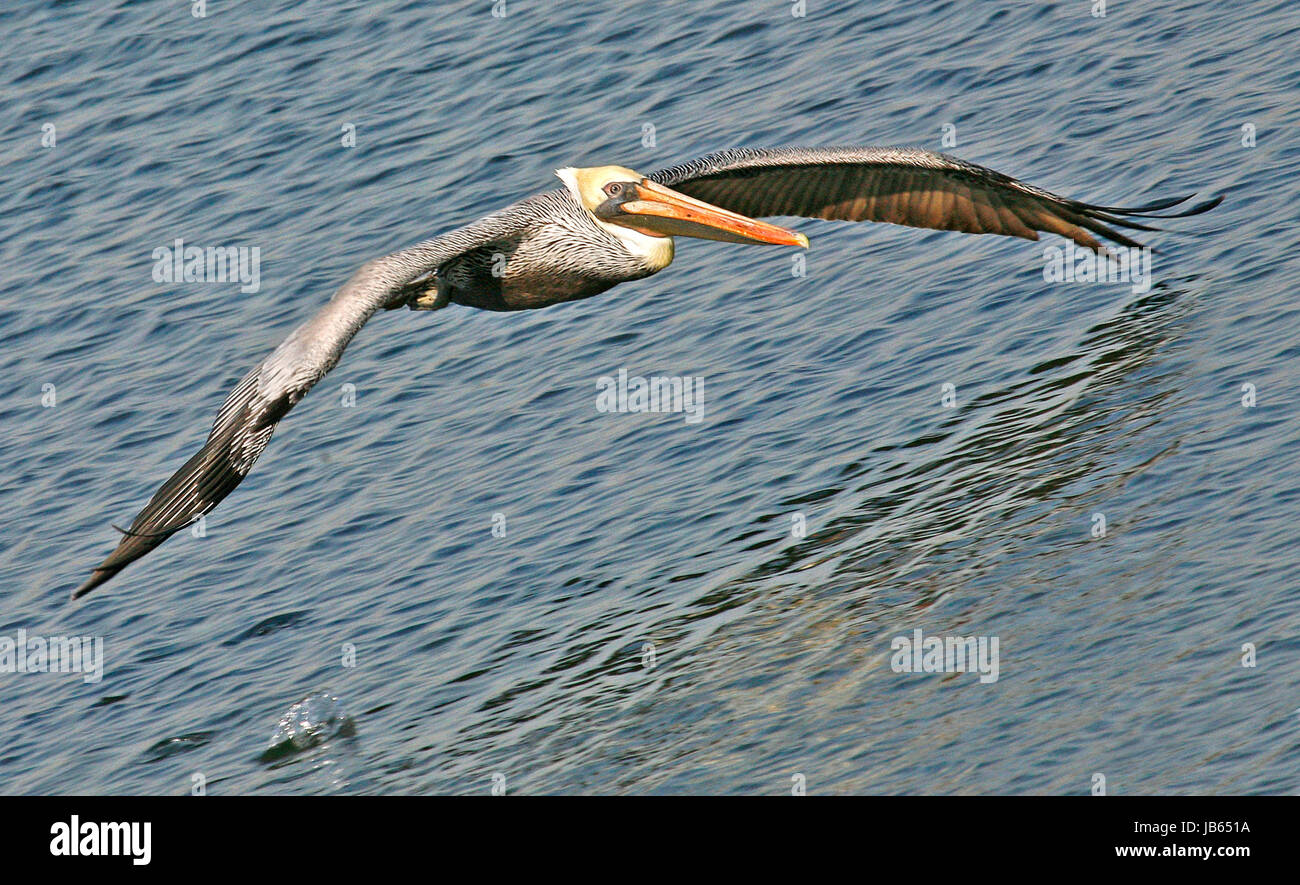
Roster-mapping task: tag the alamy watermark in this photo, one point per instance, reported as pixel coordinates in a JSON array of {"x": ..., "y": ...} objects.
[
  {"x": 78, "y": 838},
  {"x": 945, "y": 654},
  {"x": 179, "y": 263},
  {"x": 659, "y": 393},
  {"x": 1121, "y": 265},
  {"x": 53, "y": 654}
]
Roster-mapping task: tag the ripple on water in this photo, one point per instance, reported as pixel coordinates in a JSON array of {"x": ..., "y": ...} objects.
[{"x": 309, "y": 723}]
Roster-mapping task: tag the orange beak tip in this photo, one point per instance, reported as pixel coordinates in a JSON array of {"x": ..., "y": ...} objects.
[{"x": 803, "y": 240}]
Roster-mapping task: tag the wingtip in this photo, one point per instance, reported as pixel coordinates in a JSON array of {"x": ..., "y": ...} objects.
[
  {"x": 97, "y": 577},
  {"x": 1210, "y": 203}
]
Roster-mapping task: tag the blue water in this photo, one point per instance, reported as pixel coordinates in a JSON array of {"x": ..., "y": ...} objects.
[{"x": 649, "y": 623}]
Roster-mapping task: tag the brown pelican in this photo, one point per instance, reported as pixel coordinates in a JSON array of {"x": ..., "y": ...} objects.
[{"x": 609, "y": 225}]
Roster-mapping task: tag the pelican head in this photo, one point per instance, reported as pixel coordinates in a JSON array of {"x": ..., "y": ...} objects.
[{"x": 620, "y": 196}]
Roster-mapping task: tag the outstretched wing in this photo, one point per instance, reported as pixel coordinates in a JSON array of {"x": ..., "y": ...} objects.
[
  {"x": 250, "y": 413},
  {"x": 901, "y": 186}
]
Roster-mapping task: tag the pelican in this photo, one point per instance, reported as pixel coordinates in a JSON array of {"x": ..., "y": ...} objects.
[{"x": 609, "y": 225}]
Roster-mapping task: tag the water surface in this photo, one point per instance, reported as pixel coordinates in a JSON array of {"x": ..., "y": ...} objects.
[{"x": 529, "y": 655}]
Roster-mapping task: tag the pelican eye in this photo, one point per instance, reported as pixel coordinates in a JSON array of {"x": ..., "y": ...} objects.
[{"x": 614, "y": 188}]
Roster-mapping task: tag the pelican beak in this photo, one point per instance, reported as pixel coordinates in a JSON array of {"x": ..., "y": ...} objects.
[{"x": 663, "y": 212}]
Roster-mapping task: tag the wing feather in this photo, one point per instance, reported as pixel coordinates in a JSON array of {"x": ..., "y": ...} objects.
[
  {"x": 901, "y": 186},
  {"x": 248, "y": 417}
]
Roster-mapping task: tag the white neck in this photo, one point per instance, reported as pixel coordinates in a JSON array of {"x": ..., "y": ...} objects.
[{"x": 657, "y": 252}]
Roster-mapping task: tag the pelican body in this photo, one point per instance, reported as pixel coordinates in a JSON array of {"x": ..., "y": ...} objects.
[{"x": 609, "y": 225}]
